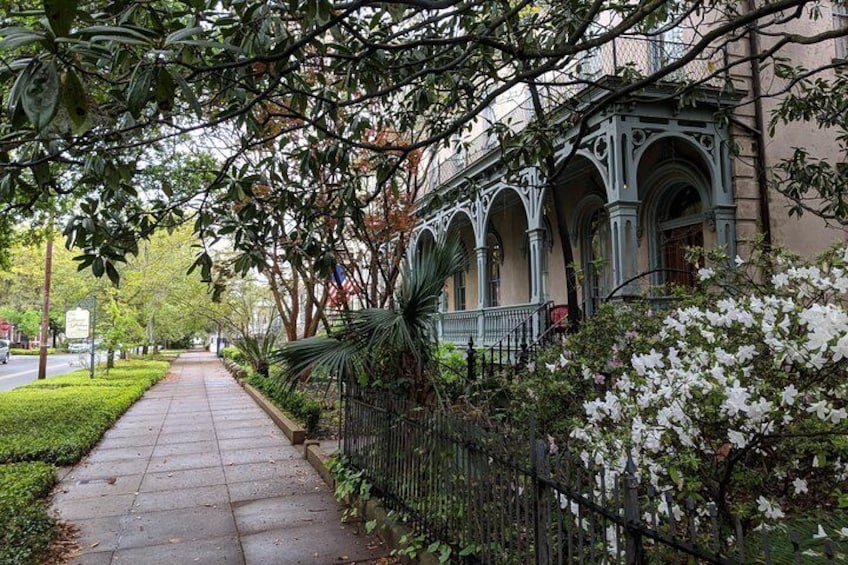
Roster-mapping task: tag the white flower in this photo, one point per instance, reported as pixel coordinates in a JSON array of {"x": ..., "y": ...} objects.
[
  {"x": 737, "y": 439},
  {"x": 820, "y": 408},
  {"x": 705, "y": 273},
  {"x": 552, "y": 367},
  {"x": 788, "y": 395},
  {"x": 739, "y": 261},
  {"x": 800, "y": 486},
  {"x": 563, "y": 361},
  {"x": 820, "y": 534},
  {"x": 837, "y": 416},
  {"x": 770, "y": 509},
  {"x": 780, "y": 280},
  {"x": 843, "y": 533}
]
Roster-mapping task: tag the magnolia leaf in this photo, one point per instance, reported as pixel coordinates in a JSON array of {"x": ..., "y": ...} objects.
[
  {"x": 41, "y": 172},
  {"x": 60, "y": 14},
  {"x": 139, "y": 90},
  {"x": 75, "y": 101},
  {"x": 164, "y": 90},
  {"x": 40, "y": 94},
  {"x": 112, "y": 273}
]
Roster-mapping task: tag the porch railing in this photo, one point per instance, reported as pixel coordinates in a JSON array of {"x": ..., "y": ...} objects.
[
  {"x": 484, "y": 326},
  {"x": 631, "y": 56}
]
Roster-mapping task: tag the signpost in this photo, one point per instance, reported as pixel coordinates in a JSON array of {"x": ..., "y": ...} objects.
[{"x": 79, "y": 324}]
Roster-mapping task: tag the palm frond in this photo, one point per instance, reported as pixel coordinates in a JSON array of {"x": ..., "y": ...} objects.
[{"x": 337, "y": 356}]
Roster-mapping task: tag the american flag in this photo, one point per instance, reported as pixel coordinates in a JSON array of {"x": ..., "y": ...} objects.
[{"x": 340, "y": 288}]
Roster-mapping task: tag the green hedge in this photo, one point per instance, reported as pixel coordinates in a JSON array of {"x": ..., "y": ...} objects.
[
  {"x": 60, "y": 419},
  {"x": 26, "y": 528},
  {"x": 233, "y": 353},
  {"x": 36, "y": 351},
  {"x": 298, "y": 403}
]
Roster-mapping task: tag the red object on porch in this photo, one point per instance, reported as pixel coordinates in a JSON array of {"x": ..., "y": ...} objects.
[{"x": 559, "y": 317}]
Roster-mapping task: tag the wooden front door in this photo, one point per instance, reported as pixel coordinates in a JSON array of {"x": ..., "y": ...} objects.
[{"x": 674, "y": 243}]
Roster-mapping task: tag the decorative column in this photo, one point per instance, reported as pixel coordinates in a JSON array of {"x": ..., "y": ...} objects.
[
  {"x": 723, "y": 220},
  {"x": 536, "y": 238},
  {"x": 482, "y": 254},
  {"x": 624, "y": 220}
]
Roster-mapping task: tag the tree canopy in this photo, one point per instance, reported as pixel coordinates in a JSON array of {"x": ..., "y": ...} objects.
[{"x": 339, "y": 97}]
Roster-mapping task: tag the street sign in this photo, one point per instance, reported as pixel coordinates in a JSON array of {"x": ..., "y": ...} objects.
[{"x": 77, "y": 323}]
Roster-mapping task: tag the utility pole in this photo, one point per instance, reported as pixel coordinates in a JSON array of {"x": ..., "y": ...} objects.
[{"x": 45, "y": 314}]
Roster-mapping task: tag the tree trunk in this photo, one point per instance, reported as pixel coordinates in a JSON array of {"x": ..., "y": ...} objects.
[
  {"x": 45, "y": 313},
  {"x": 110, "y": 359}
]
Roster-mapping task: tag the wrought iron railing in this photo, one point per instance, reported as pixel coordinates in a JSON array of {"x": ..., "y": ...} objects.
[{"x": 506, "y": 497}]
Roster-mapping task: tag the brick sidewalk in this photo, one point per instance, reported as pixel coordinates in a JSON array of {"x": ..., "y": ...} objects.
[{"x": 195, "y": 472}]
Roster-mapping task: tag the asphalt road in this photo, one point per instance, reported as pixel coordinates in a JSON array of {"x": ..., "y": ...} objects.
[{"x": 22, "y": 369}]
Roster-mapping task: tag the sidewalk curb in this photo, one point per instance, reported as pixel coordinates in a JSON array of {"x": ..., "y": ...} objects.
[
  {"x": 317, "y": 457},
  {"x": 294, "y": 432}
]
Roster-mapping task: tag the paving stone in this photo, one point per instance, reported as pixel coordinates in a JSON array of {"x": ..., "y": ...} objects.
[
  {"x": 266, "y": 471},
  {"x": 111, "y": 468},
  {"x": 216, "y": 495},
  {"x": 72, "y": 488},
  {"x": 185, "y": 461},
  {"x": 120, "y": 453},
  {"x": 286, "y": 512},
  {"x": 259, "y": 441},
  {"x": 93, "y": 558},
  {"x": 293, "y": 546},
  {"x": 98, "y": 534},
  {"x": 260, "y": 454},
  {"x": 191, "y": 478},
  {"x": 156, "y": 528},
  {"x": 215, "y": 551},
  {"x": 298, "y": 484},
  {"x": 96, "y": 507},
  {"x": 247, "y": 432},
  {"x": 187, "y": 448}
]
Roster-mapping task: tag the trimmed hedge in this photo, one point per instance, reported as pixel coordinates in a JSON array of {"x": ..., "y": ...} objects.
[
  {"x": 297, "y": 403},
  {"x": 26, "y": 528},
  {"x": 32, "y": 352},
  {"x": 60, "y": 419}
]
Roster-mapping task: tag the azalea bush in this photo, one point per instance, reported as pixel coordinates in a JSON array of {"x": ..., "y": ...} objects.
[{"x": 737, "y": 396}]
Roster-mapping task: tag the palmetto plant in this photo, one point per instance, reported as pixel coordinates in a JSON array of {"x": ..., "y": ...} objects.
[{"x": 395, "y": 345}]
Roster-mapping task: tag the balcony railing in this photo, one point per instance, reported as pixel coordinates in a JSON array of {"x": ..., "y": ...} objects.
[
  {"x": 485, "y": 326},
  {"x": 625, "y": 56}
]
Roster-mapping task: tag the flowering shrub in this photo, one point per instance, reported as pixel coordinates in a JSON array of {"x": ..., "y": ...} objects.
[{"x": 737, "y": 397}]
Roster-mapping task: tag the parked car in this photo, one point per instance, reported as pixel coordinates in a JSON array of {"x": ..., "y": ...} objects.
[{"x": 4, "y": 351}]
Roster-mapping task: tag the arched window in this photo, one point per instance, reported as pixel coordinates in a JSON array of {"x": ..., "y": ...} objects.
[
  {"x": 494, "y": 261},
  {"x": 460, "y": 279},
  {"x": 597, "y": 258},
  {"x": 680, "y": 224}
]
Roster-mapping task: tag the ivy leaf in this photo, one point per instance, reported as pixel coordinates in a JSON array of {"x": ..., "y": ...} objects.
[
  {"x": 75, "y": 101},
  {"x": 40, "y": 94},
  {"x": 60, "y": 14}
]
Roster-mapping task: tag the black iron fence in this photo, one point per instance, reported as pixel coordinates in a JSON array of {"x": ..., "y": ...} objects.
[{"x": 508, "y": 498}]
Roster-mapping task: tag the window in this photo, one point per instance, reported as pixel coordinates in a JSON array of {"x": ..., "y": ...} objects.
[
  {"x": 680, "y": 226},
  {"x": 840, "y": 22},
  {"x": 494, "y": 260},
  {"x": 459, "y": 281},
  {"x": 597, "y": 254}
]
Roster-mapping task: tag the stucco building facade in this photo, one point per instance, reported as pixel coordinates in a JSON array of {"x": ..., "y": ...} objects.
[{"x": 651, "y": 177}]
